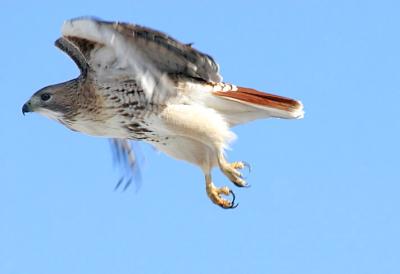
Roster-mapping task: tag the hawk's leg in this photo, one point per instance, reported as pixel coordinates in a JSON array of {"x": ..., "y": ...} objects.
[
  {"x": 231, "y": 170},
  {"x": 215, "y": 194}
]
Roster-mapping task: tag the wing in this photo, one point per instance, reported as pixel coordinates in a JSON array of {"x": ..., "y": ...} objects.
[
  {"x": 75, "y": 52},
  {"x": 124, "y": 157},
  {"x": 114, "y": 46}
]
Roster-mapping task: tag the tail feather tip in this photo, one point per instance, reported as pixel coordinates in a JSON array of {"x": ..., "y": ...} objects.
[{"x": 298, "y": 112}]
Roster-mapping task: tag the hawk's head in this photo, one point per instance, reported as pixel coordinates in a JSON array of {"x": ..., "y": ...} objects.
[{"x": 56, "y": 102}]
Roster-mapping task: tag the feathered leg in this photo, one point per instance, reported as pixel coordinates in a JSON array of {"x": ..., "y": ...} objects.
[
  {"x": 199, "y": 136},
  {"x": 203, "y": 156}
]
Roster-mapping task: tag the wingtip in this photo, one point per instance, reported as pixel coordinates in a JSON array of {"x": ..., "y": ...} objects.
[
  {"x": 78, "y": 25},
  {"x": 88, "y": 28},
  {"x": 83, "y": 18}
]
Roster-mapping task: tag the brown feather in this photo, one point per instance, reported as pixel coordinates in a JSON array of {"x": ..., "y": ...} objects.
[{"x": 255, "y": 97}]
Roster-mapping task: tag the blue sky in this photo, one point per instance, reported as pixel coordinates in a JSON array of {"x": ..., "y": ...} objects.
[{"x": 325, "y": 189}]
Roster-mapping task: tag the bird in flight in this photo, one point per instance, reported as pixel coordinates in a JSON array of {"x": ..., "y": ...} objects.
[{"x": 137, "y": 83}]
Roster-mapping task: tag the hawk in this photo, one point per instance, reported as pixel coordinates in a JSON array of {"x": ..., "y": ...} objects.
[{"x": 137, "y": 83}]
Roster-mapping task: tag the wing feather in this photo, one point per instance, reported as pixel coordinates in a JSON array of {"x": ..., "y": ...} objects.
[
  {"x": 140, "y": 47},
  {"x": 125, "y": 158},
  {"x": 73, "y": 51}
]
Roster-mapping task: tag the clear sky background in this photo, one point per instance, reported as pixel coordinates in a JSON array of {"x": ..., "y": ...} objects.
[{"x": 325, "y": 189}]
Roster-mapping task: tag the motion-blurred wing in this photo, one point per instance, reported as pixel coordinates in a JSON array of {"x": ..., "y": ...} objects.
[
  {"x": 113, "y": 46},
  {"x": 125, "y": 158}
]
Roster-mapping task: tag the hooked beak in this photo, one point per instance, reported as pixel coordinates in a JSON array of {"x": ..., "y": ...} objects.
[{"x": 26, "y": 108}]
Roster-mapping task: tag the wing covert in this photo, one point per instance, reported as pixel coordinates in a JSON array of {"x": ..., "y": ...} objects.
[{"x": 116, "y": 45}]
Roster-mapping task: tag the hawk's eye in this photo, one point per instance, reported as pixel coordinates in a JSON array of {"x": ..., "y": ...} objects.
[{"x": 45, "y": 96}]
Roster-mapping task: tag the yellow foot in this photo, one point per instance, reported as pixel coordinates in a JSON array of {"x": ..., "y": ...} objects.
[
  {"x": 215, "y": 195},
  {"x": 231, "y": 171}
]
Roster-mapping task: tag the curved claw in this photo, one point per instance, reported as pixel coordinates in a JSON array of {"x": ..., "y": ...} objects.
[
  {"x": 248, "y": 167},
  {"x": 246, "y": 185},
  {"x": 233, "y": 205},
  {"x": 246, "y": 164}
]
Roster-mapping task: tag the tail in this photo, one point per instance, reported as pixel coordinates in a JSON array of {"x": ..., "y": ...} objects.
[{"x": 245, "y": 104}]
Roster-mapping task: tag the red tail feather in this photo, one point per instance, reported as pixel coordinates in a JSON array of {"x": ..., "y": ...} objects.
[{"x": 255, "y": 97}]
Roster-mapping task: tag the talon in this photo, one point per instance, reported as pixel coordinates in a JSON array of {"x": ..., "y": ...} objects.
[
  {"x": 231, "y": 170},
  {"x": 248, "y": 167},
  {"x": 216, "y": 193},
  {"x": 241, "y": 165},
  {"x": 233, "y": 205},
  {"x": 234, "y": 175}
]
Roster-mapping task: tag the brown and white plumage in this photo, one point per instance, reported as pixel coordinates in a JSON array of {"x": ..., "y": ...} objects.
[{"x": 140, "y": 84}]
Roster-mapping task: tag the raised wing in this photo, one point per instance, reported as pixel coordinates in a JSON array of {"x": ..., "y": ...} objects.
[
  {"x": 114, "y": 46},
  {"x": 75, "y": 52}
]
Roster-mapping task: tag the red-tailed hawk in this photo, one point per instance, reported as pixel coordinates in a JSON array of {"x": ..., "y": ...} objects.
[{"x": 140, "y": 84}]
